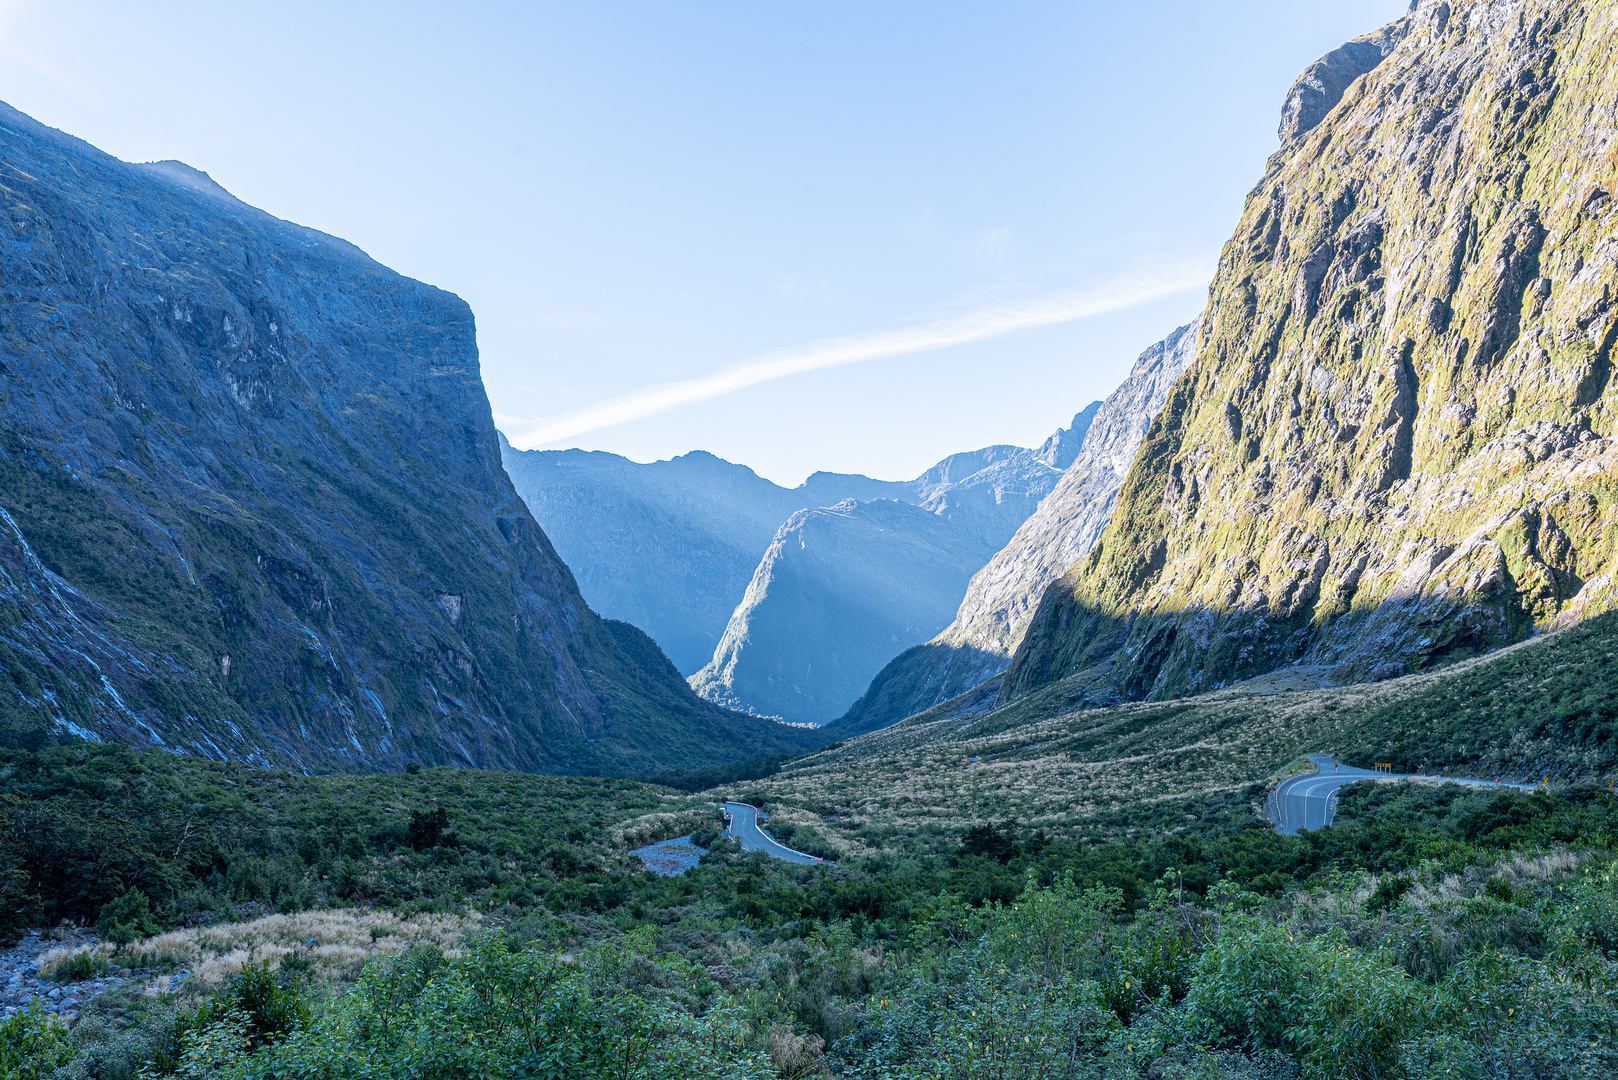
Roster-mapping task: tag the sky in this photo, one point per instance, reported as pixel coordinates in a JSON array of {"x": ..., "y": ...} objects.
[{"x": 852, "y": 236}]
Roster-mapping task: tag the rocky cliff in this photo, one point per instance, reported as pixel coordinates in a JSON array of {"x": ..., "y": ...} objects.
[
  {"x": 1396, "y": 445},
  {"x": 671, "y": 546},
  {"x": 251, "y": 504},
  {"x": 1001, "y": 597},
  {"x": 840, "y": 591}
]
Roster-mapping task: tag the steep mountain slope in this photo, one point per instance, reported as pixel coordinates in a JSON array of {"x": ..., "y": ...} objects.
[
  {"x": 251, "y": 504},
  {"x": 1396, "y": 445},
  {"x": 670, "y": 546},
  {"x": 667, "y": 546},
  {"x": 1001, "y": 597},
  {"x": 839, "y": 591}
]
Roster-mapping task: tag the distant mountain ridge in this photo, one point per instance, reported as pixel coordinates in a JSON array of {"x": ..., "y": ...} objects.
[
  {"x": 670, "y": 546},
  {"x": 673, "y": 546},
  {"x": 840, "y": 590}
]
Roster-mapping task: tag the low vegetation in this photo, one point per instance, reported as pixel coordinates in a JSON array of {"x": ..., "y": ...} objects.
[
  {"x": 1547, "y": 708},
  {"x": 1148, "y": 924}
]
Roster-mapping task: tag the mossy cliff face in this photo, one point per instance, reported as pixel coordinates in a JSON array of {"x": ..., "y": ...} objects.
[
  {"x": 1396, "y": 445},
  {"x": 251, "y": 504}
]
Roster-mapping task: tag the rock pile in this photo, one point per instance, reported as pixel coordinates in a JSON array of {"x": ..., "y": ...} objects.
[{"x": 21, "y": 984}]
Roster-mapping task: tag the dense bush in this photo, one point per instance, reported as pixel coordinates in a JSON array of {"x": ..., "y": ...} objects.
[
  {"x": 1056, "y": 985},
  {"x": 32, "y": 1044},
  {"x": 126, "y": 918},
  {"x": 498, "y": 1011},
  {"x": 1421, "y": 933}
]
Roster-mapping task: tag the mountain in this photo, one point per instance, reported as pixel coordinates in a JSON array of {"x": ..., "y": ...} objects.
[
  {"x": 252, "y": 506},
  {"x": 667, "y": 546},
  {"x": 842, "y": 590},
  {"x": 1001, "y": 597},
  {"x": 839, "y": 591},
  {"x": 1396, "y": 446},
  {"x": 671, "y": 546}
]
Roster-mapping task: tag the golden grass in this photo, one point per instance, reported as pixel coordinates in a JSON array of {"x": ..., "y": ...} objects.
[
  {"x": 337, "y": 942},
  {"x": 661, "y": 825},
  {"x": 1051, "y": 764}
]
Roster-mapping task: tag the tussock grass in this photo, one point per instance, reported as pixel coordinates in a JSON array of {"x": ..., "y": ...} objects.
[
  {"x": 336, "y": 942},
  {"x": 658, "y": 826},
  {"x": 1049, "y": 763}
]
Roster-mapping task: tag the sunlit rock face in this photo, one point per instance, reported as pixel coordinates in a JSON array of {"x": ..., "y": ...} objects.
[
  {"x": 252, "y": 506},
  {"x": 1396, "y": 444}
]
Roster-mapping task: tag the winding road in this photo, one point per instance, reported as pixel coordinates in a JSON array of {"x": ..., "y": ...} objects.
[
  {"x": 1309, "y": 801},
  {"x": 741, "y": 822}
]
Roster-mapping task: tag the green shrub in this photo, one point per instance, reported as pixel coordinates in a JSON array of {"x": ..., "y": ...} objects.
[
  {"x": 255, "y": 1010},
  {"x": 20, "y": 907},
  {"x": 78, "y": 967},
  {"x": 114, "y": 1047},
  {"x": 126, "y": 918},
  {"x": 1339, "y": 1010},
  {"x": 504, "y": 1012},
  {"x": 429, "y": 828},
  {"x": 32, "y": 1044}
]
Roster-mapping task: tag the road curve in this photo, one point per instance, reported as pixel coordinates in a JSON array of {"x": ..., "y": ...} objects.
[
  {"x": 741, "y": 822},
  {"x": 1309, "y": 802}
]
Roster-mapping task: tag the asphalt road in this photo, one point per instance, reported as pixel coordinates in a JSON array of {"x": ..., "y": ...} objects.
[
  {"x": 741, "y": 822},
  {"x": 1306, "y": 802}
]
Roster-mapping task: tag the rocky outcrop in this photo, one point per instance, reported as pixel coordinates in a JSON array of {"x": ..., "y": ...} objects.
[
  {"x": 1396, "y": 446},
  {"x": 1323, "y": 83},
  {"x": 1063, "y": 447},
  {"x": 1001, "y": 598},
  {"x": 251, "y": 504},
  {"x": 840, "y": 591},
  {"x": 671, "y": 546}
]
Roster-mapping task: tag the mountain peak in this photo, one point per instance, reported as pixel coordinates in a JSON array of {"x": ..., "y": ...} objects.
[{"x": 192, "y": 179}]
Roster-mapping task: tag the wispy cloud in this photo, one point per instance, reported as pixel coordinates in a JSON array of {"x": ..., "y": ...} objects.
[{"x": 986, "y": 322}]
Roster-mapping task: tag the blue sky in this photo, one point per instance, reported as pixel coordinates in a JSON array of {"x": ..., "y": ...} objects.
[{"x": 848, "y": 236}]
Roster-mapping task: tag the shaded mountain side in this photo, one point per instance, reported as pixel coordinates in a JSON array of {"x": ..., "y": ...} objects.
[
  {"x": 251, "y": 504},
  {"x": 839, "y": 591},
  {"x": 670, "y": 546},
  {"x": 1396, "y": 447},
  {"x": 1002, "y": 596}
]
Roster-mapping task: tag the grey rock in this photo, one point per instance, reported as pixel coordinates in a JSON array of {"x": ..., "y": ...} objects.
[
  {"x": 1003, "y": 595},
  {"x": 1323, "y": 83},
  {"x": 241, "y": 467},
  {"x": 1060, "y": 450}
]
